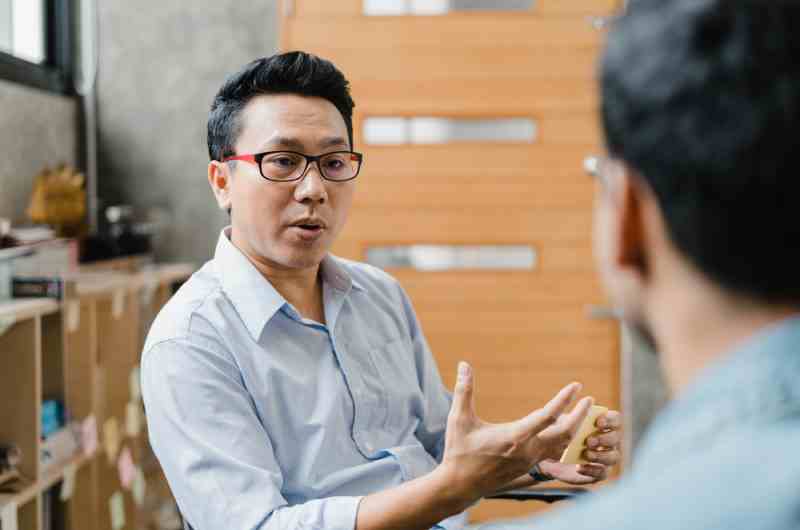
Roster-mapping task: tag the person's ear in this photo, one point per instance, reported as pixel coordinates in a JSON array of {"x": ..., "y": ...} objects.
[
  {"x": 631, "y": 244},
  {"x": 219, "y": 178}
]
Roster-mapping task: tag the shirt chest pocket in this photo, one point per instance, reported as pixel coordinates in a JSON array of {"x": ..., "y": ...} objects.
[{"x": 395, "y": 379}]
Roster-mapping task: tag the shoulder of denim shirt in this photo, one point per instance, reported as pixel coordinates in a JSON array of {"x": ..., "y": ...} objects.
[{"x": 184, "y": 315}]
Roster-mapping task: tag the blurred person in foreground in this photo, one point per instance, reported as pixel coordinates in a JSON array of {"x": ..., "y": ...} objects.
[{"x": 698, "y": 242}]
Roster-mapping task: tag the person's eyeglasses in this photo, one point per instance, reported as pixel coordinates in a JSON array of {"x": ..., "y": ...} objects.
[
  {"x": 288, "y": 166},
  {"x": 603, "y": 168}
]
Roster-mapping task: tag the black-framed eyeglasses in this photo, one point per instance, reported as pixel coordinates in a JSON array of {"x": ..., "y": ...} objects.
[{"x": 288, "y": 166}]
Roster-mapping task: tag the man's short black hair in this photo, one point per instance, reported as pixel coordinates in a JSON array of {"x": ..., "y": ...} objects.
[
  {"x": 295, "y": 72},
  {"x": 702, "y": 98}
]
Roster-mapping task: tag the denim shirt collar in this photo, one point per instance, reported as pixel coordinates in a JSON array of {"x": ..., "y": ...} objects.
[
  {"x": 255, "y": 299},
  {"x": 755, "y": 384}
]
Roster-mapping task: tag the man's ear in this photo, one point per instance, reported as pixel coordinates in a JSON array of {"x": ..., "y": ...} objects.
[
  {"x": 219, "y": 178},
  {"x": 631, "y": 245}
]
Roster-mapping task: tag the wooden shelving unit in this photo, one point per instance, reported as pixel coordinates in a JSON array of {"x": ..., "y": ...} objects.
[{"x": 81, "y": 351}]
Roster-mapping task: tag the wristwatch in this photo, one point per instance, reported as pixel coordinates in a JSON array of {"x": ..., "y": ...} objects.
[{"x": 538, "y": 475}]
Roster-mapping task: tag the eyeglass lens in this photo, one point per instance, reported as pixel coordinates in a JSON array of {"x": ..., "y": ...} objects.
[{"x": 290, "y": 166}]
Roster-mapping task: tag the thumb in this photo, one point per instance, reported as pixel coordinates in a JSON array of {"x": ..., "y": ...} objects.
[{"x": 464, "y": 392}]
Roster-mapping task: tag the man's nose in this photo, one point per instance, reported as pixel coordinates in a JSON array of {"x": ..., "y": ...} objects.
[{"x": 312, "y": 186}]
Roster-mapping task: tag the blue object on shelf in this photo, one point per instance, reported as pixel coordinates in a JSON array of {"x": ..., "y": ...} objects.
[{"x": 52, "y": 417}]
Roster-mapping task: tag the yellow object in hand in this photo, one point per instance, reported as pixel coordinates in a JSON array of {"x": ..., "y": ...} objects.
[{"x": 573, "y": 454}]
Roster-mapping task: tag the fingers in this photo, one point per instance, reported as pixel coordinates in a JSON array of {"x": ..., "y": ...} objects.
[
  {"x": 549, "y": 414},
  {"x": 606, "y": 458},
  {"x": 610, "y": 420},
  {"x": 568, "y": 424},
  {"x": 595, "y": 471},
  {"x": 611, "y": 439},
  {"x": 463, "y": 394}
]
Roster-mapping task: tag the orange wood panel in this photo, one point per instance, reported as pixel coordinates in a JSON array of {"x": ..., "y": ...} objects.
[
  {"x": 534, "y": 176},
  {"x": 519, "y": 36},
  {"x": 526, "y": 94},
  {"x": 468, "y": 226}
]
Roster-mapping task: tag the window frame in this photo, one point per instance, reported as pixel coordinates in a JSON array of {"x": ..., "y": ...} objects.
[{"x": 55, "y": 74}]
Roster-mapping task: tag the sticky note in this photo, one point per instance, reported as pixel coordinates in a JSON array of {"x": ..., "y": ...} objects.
[
  {"x": 149, "y": 288},
  {"x": 118, "y": 304},
  {"x": 125, "y": 468},
  {"x": 73, "y": 315},
  {"x": 6, "y": 321},
  {"x": 135, "y": 384},
  {"x": 139, "y": 486},
  {"x": 116, "y": 506},
  {"x": 111, "y": 439},
  {"x": 89, "y": 435},
  {"x": 68, "y": 482},
  {"x": 8, "y": 517},
  {"x": 133, "y": 419},
  {"x": 574, "y": 451}
]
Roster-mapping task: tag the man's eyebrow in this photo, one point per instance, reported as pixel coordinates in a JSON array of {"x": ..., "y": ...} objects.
[
  {"x": 285, "y": 142},
  {"x": 334, "y": 141},
  {"x": 294, "y": 144}
]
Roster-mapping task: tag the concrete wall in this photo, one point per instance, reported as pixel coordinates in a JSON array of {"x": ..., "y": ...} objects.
[
  {"x": 37, "y": 129},
  {"x": 160, "y": 65}
]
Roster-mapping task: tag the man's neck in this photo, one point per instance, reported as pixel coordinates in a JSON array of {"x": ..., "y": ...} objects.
[
  {"x": 302, "y": 288},
  {"x": 695, "y": 327}
]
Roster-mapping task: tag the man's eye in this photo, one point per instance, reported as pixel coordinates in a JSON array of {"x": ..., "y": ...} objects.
[
  {"x": 282, "y": 162},
  {"x": 335, "y": 164}
]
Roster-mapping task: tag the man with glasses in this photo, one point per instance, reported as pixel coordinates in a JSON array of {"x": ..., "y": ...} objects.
[{"x": 286, "y": 388}]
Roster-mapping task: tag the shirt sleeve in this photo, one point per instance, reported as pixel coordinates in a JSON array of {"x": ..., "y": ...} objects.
[
  {"x": 431, "y": 430},
  {"x": 217, "y": 457}
]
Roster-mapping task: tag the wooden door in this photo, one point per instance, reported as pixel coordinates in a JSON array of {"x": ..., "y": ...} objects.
[{"x": 526, "y": 332}]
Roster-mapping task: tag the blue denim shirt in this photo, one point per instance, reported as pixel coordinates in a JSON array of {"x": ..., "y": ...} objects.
[
  {"x": 263, "y": 419},
  {"x": 724, "y": 455}
]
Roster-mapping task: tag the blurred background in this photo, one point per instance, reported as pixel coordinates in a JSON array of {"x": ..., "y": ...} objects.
[{"x": 475, "y": 118}]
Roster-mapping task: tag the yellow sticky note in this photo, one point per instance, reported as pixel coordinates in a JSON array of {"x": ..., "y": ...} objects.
[
  {"x": 134, "y": 384},
  {"x": 8, "y": 517},
  {"x": 73, "y": 316},
  {"x": 116, "y": 506},
  {"x": 133, "y": 419},
  {"x": 6, "y": 321},
  {"x": 68, "y": 482},
  {"x": 89, "y": 435},
  {"x": 118, "y": 304},
  {"x": 573, "y": 453},
  {"x": 139, "y": 486},
  {"x": 111, "y": 439}
]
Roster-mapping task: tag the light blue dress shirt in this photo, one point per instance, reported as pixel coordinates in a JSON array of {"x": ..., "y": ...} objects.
[
  {"x": 724, "y": 456},
  {"x": 263, "y": 419}
]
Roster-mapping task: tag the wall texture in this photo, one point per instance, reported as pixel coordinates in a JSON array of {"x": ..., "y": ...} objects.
[
  {"x": 37, "y": 129},
  {"x": 160, "y": 65}
]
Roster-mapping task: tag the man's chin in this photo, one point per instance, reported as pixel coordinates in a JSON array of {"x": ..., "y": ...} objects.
[{"x": 303, "y": 258}]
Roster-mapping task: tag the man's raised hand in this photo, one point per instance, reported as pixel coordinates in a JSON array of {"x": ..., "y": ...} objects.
[{"x": 483, "y": 457}]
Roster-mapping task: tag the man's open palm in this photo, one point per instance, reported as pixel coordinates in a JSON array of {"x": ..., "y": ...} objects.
[{"x": 484, "y": 456}]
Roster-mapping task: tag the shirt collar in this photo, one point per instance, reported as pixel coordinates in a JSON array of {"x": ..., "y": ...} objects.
[{"x": 253, "y": 296}]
